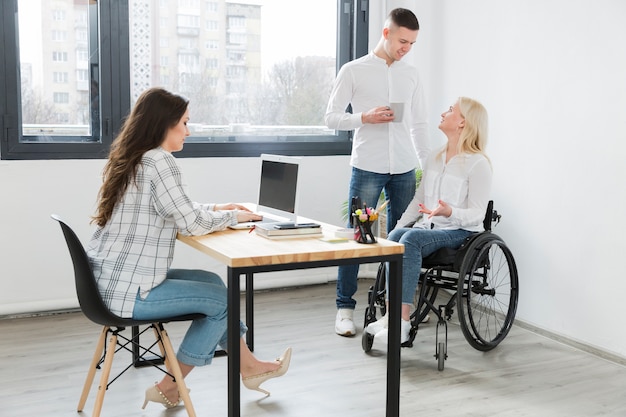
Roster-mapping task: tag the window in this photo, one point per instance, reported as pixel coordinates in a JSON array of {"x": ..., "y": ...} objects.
[
  {"x": 58, "y": 15},
  {"x": 211, "y": 63},
  {"x": 212, "y": 6},
  {"x": 62, "y": 98},
  {"x": 189, "y": 4},
  {"x": 212, "y": 25},
  {"x": 59, "y": 104},
  {"x": 188, "y": 43},
  {"x": 82, "y": 75},
  {"x": 82, "y": 56},
  {"x": 81, "y": 35},
  {"x": 189, "y": 62},
  {"x": 59, "y": 35},
  {"x": 236, "y": 22},
  {"x": 58, "y": 56},
  {"x": 237, "y": 39},
  {"x": 188, "y": 21},
  {"x": 59, "y": 77}
]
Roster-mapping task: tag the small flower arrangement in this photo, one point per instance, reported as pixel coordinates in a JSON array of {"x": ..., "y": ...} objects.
[{"x": 362, "y": 220}]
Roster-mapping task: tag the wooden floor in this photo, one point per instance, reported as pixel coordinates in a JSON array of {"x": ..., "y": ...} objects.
[{"x": 43, "y": 362}]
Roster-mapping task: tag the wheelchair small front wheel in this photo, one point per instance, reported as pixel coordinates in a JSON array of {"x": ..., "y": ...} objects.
[
  {"x": 367, "y": 341},
  {"x": 441, "y": 355}
]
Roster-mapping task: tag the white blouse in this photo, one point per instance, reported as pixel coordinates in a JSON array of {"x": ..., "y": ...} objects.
[{"x": 464, "y": 183}]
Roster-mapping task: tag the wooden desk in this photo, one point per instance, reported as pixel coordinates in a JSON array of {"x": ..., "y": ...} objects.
[{"x": 246, "y": 253}]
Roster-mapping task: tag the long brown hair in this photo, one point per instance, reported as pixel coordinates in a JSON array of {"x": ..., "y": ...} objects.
[{"x": 155, "y": 111}]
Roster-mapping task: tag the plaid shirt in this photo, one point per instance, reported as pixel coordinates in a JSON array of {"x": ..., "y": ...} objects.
[{"x": 134, "y": 250}]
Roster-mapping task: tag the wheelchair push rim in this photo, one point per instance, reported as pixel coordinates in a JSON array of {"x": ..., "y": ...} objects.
[{"x": 487, "y": 293}]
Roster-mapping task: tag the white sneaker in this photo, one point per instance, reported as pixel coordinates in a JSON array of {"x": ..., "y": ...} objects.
[
  {"x": 344, "y": 323},
  {"x": 377, "y": 326},
  {"x": 405, "y": 328}
]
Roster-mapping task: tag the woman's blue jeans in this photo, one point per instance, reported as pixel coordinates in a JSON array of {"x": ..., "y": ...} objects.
[
  {"x": 419, "y": 243},
  {"x": 187, "y": 291},
  {"x": 399, "y": 190}
]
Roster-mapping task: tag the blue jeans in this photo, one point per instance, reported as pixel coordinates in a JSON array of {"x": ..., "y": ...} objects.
[
  {"x": 419, "y": 243},
  {"x": 399, "y": 189},
  {"x": 187, "y": 291}
]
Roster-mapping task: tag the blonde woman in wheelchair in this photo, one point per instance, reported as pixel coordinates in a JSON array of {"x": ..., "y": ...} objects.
[{"x": 450, "y": 202}]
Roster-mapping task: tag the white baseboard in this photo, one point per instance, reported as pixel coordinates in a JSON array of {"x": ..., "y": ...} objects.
[{"x": 34, "y": 308}]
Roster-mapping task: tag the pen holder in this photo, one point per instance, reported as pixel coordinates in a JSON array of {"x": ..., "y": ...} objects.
[{"x": 362, "y": 230}]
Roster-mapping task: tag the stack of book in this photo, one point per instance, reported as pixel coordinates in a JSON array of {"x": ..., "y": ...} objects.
[{"x": 288, "y": 230}]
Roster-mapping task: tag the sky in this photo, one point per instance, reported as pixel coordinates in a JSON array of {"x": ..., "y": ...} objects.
[{"x": 292, "y": 28}]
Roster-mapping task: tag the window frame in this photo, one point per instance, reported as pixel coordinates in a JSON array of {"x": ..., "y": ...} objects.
[{"x": 114, "y": 56}]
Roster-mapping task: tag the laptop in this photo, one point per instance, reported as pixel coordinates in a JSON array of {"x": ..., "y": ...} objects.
[{"x": 278, "y": 190}]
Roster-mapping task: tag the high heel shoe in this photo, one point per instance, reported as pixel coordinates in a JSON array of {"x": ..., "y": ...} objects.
[
  {"x": 154, "y": 394},
  {"x": 253, "y": 382}
]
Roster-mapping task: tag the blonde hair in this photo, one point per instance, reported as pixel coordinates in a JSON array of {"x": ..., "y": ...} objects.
[{"x": 473, "y": 137}]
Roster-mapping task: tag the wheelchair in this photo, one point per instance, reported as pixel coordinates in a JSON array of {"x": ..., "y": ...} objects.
[{"x": 481, "y": 280}]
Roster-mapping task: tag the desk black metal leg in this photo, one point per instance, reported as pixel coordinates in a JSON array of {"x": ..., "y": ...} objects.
[
  {"x": 234, "y": 353},
  {"x": 393, "y": 342},
  {"x": 250, "y": 310}
]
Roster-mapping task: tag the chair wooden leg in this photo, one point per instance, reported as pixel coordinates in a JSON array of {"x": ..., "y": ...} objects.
[
  {"x": 104, "y": 378},
  {"x": 171, "y": 363},
  {"x": 92, "y": 369}
]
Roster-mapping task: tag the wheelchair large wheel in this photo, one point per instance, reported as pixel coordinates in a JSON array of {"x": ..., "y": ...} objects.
[{"x": 487, "y": 292}]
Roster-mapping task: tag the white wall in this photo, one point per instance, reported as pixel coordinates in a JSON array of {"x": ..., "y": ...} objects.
[
  {"x": 551, "y": 74},
  {"x": 35, "y": 268}
]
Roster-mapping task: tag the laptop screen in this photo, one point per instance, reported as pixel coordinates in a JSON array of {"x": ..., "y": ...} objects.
[{"x": 278, "y": 188}]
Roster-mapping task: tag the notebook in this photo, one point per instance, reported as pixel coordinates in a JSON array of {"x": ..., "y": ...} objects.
[{"x": 278, "y": 190}]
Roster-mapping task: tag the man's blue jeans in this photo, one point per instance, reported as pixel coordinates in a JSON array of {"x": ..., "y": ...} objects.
[
  {"x": 399, "y": 190},
  {"x": 187, "y": 291},
  {"x": 419, "y": 243}
]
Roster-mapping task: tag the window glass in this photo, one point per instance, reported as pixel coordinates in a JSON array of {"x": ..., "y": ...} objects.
[
  {"x": 253, "y": 69},
  {"x": 59, "y": 71}
]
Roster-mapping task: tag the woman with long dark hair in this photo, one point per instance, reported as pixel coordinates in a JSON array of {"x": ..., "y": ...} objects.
[{"x": 142, "y": 205}]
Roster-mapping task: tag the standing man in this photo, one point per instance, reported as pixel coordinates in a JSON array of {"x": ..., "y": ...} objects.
[{"x": 390, "y": 138}]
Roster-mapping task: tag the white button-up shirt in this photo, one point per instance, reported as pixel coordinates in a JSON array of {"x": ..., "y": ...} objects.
[{"x": 386, "y": 148}]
